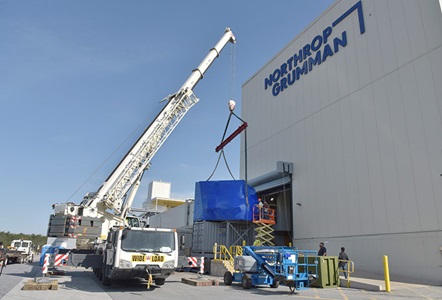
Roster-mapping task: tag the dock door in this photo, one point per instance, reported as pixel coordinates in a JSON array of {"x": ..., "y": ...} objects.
[{"x": 276, "y": 189}]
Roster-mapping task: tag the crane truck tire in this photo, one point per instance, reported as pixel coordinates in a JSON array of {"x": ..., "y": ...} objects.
[
  {"x": 106, "y": 280},
  {"x": 105, "y": 274},
  {"x": 100, "y": 274}
]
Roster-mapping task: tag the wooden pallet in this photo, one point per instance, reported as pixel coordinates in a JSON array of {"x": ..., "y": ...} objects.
[
  {"x": 200, "y": 281},
  {"x": 40, "y": 285}
]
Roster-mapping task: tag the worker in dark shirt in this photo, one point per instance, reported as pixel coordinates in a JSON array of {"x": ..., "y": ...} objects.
[
  {"x": 2, "y": 257},
  {"x": 322, "y": 250},
  {"x": 343, "y": 259},
  {"x": 2, "y": 249}
]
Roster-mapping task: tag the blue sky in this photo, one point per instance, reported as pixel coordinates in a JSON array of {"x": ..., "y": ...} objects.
[{"x": 79, "y": 81}]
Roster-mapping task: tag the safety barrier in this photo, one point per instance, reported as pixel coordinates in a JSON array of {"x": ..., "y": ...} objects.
[
  {"x": 44, "y": 270},
  {"x": 61, "y": 260},
  {"x": 202, "y": 266},
  {"x": 193, "y": 263},
  {"x": 386, "y": 274}
]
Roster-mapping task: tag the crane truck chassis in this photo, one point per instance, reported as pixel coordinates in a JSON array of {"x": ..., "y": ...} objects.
[
  {"x": 129, "y": 252},
  {"x": 122, "y": 248}
]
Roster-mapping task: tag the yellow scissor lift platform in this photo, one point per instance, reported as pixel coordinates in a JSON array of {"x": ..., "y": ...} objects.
[{"x": 264, "y": 218}]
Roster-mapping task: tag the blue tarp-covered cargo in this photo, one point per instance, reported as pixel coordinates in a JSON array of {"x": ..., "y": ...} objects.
[{"x": 223, "y": 200}]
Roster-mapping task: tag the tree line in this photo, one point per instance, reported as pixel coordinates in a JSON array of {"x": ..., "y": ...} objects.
[{"x": 38, "y": 240}]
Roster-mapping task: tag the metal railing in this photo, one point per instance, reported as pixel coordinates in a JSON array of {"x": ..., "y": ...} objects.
[
  {"x": 235, "y": 250},
  {"x": 263, "y": 215},
  {"x": 349, "y": 268},
  {"x": 221, "y": 253}
]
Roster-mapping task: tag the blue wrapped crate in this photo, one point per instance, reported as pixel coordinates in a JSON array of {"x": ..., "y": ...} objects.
[{"x": 223, "y": 200}]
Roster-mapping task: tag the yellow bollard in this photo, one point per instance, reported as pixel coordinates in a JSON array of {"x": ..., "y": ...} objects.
[{"x": 386, "y": 274}]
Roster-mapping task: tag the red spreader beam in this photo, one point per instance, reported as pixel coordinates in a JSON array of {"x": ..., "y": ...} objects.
[{"x": 231, "y": 137}]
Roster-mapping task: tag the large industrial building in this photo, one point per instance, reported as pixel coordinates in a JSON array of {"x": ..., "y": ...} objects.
[{"x": 345, "y": 136}]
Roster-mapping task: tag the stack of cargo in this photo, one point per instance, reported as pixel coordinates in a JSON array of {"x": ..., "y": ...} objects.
[{"x": 223, "y": 214}]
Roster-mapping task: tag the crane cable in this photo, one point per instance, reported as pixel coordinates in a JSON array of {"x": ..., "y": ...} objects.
[
  {"x": 222, "y": 150},
  {"x": 231, "y": 92},
  {"x": 232, "y": 71}
]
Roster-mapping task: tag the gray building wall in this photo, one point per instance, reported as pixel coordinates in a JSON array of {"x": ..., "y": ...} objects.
[{"x": 364, "y": 131}]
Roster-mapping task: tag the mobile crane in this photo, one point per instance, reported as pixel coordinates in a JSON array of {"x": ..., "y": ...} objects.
[{"x": 122, "y": 247}]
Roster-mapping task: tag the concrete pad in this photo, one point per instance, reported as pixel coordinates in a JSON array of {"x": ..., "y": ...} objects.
[
  {"x": 361, "y": 284},
  {"x": 77, "y": 284}
]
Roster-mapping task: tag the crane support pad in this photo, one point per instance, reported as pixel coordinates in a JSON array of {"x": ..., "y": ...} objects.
[
  {"x": 200, "y": 281},
  {"x": 40, "y": 285}
]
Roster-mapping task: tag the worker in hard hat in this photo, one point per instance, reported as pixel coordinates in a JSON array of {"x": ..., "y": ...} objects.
[{"x": 257, "y": 242}]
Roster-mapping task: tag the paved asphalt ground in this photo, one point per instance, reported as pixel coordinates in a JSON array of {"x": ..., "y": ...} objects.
[{"x": 81, "y": 284}]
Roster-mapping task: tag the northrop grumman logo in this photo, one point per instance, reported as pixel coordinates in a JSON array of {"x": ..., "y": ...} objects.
[{"x": 321, "y": 47}]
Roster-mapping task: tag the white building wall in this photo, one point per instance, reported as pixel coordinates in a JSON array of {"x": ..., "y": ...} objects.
[{"x": 364, "y": 131}]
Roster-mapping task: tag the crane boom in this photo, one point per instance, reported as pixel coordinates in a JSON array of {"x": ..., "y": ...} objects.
[
  {"x": 111, "y": 202},
  {"x": 131, "y": 167}
]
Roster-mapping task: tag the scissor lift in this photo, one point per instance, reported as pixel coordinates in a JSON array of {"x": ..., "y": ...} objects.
[
  {"x": 264, "y": 219},
  {"x": 274, "y": 265}
]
